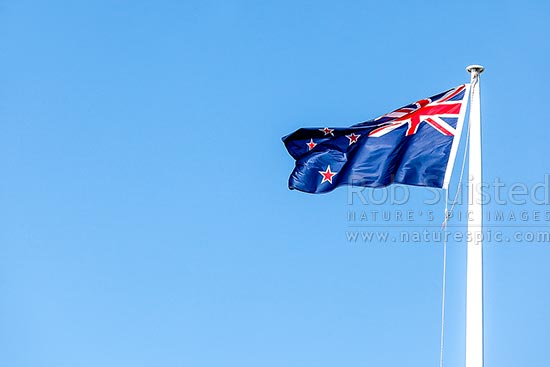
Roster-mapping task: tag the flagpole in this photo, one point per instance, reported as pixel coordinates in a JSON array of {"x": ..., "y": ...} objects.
[{"x": 474, "y": 272}]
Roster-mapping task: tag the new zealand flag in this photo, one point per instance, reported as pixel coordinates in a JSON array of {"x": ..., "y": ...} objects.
[{"x": 413, "y": 145}]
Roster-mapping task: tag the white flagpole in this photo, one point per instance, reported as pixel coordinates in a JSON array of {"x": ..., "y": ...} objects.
[{"x": 474, "y": 272}]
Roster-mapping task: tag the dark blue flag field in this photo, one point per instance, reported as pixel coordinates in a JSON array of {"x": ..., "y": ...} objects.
[{"x": 413, "y": 145}]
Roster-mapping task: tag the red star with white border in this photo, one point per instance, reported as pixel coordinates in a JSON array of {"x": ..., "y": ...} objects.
[
  {"x": 327, "y": 131},
  {"x": 327, "y": 175},
  {"x": 353, "y": 138},
  {"x": 311, "y": 144}
]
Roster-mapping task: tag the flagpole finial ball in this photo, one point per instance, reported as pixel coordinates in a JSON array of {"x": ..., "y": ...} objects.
[{"x": 475, "y": 68}]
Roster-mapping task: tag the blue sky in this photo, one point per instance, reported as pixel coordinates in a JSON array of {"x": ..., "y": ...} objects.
[{"x": 145, "y": 218}]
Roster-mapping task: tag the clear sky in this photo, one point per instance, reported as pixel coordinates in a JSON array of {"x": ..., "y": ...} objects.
[{"x": 145, "y": 216}]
